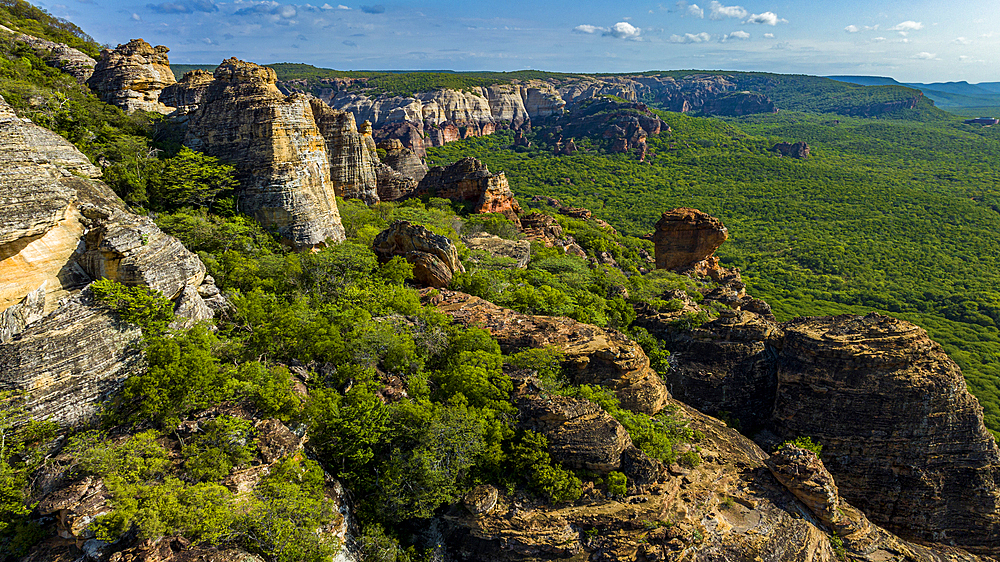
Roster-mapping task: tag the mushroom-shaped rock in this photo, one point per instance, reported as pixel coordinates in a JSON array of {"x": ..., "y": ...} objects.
[
  {"x": 434, "y": 257},
  {"x": 685, "y": 237},
  {"x": 132, "y": 76}
]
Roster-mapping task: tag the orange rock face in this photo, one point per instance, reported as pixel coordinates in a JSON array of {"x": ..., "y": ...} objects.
[
  {"x": 685, "y": 237},
  {"x": 470, "y": 180}
]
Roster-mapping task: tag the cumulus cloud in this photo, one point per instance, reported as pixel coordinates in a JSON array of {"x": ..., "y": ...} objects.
[
  {"x": 184, "y": 7},
  {"x": 691, "y": 38},
  {"x": 961, "y": 41},
  {"x": 878, "y": 39},
  {"x": 852, "y": 29},
  {"x": 376, "y": 9},
  {"x": 717, "y": 11},
  {"x": 690, "y": 9},
  {"x": 736, "y": 35},
  {"x": 135, "y": 17},
  {"x": 588, "y": 29},
  {"x": 624, "y": 30},
  {"x": 275, "y": 10},
  {"x": 767, "y": 18},
  {"x": 908, "y": 25},
  {"x": 925, "y": 56},
  {"x": 769, "y": 35}
]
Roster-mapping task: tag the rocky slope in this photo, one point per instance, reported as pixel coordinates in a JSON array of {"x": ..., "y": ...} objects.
[
  {"x": 72, "y": 61},
  {"x": 132, "y": 76},
  {"x": 279, "y": 152},
  {"x": 60, "y": 228}
]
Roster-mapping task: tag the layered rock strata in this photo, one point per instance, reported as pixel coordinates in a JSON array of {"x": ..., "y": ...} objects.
[
  {"x": 132, "y": 76},
  {"x": 403, "y": 160},
  {"x": 187, "y": 93},
  {"x": 71, "y": 61},
  {"x": 59, "y": 230},
  {"x": 899, "y": 429},
  {"x": 685, "y": 237},
  {"x": 469, "y": 180},
  {"x": 279, "y": 153},
  {"x": 353, "y": 159},
  {"x": 434, "y": 257},
  {"x": 592, "y": 355}
]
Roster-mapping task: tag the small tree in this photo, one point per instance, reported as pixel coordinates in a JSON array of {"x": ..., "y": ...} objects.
[{"x": 190, "y": 179}]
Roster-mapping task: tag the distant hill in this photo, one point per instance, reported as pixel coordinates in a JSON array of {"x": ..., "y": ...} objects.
[{"x": 958, "y": 97}]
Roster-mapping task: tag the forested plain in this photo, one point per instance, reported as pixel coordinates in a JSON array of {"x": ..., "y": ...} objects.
[{"x": 898, "y": 214}]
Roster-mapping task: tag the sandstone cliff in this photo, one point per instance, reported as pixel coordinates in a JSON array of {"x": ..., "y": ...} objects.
[
  {"x": 132, "y": 76},
  {"x": 899, "y": 429},
  {"x": 58, "y": 233},
  {"x": 279, "y": 153},
  {"x": 352, "y": 153}
]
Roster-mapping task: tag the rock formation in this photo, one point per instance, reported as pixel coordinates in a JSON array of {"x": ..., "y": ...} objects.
[
  {"x": 434, "y": 257},
  {"x": 277, "y": 148},
  {"x": 592, "y": 355},
  {"x": 402, "y": 159},
  {"x": 132, "y": 76},
  {"x": 469, "y": 180},
  {"x": 795, "y": 150},
  {"x": 352, "y": 153},
  {"x": 517, "y": 250},
  {"x": 60, "y": 230},
  {"x": 72, "y": 61},
  {"x": 186, "y": 94},
  {"x": 685, "y": 237},
  {"x": 899, "y": 429},
  {"x": 735, "y": 104}
]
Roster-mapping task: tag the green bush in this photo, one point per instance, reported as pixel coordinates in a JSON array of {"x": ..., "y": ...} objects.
[{"x": 617, "y": 484}]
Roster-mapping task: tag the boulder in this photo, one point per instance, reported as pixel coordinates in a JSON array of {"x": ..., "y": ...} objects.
[
  {"x": 132, "y": 76},
  {"x": 685, "y": 237},
  {"x": 277, "y": 148},
  {"x": 434, "y": 257}
]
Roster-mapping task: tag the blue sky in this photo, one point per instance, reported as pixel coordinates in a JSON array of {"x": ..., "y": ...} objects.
[{"x": 914, "y": 41}]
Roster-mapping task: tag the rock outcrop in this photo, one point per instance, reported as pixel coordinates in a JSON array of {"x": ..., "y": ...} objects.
[
  {"x": 186, "y": 94},
  {"x": 592, "y": 355},
  {"x": 279, "y": 153},
  {"x": 517, "y": 250},
  {"x": 403, "y": 160},
  {"x": 685, "y": 237},
  {"x": 899, "y": 429},
  {"x": 469, "y": 180},
  {"x": 59, "y": 230},
  {"x": 434, "y": 257},
  {"x": 353, "y": 159},
  {"x": 71, "y": 61},
  {"x": 795, "y": 150},
  {"x": 132, "y": 76}
]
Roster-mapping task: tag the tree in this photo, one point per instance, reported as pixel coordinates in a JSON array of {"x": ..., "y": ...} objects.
[{"x": 191, "y": 179}]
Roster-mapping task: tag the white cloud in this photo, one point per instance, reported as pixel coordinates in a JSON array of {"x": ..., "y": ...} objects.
[
  {"x": 691, "y": 38},
  {"x": 692, "y": 10},
  {"x": 852, "y": 29},
  {"x": 769, "y": 35},
  {"x": 624, "y": 30},
  {"x": 718, "y": 11},
  {"x": 767, "y": 18},
  {"x": 588, "y": 29},
  {"x": 736, "y": 35},
  {"x": 909, "y": 25},
  {"x": 135, "y": 17},
  {"x": 925, "y": 56},
  {"x": 878, "y": 39},
  {"x": 962, "y": 41}
]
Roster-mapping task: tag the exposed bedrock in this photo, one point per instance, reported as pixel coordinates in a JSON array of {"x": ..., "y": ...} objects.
[
  {"x": 433, "y": 256},
  {"x": 685, "y": 237},
  {"x": 469, "y": 180},
  {"x": 353, "y": 160},
  {"x": 72, "y": 61},
  {"x": 132, "y": 76},
  {"x": 899, "y": 429},
  {"x": 279, "y": 153},
  {"x": 592, "y": 355}
]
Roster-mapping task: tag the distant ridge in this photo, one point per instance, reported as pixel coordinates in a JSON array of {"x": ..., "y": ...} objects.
[{"x": 961, "y": 97}]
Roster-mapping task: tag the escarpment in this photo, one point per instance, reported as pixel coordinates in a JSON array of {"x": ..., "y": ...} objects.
[
  {"x": 899, "y": 429},
  {"x": 61, "y": 228},
  {"x": 277, "y": 148},
  {"x": 132, "y": 76}
]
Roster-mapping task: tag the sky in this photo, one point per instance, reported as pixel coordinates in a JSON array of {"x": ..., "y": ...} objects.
[{"x": 911, "y": 41}]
